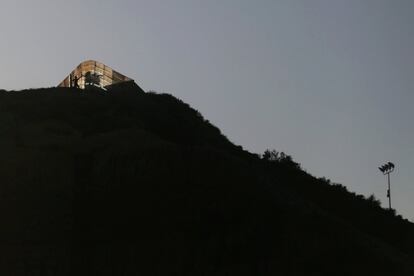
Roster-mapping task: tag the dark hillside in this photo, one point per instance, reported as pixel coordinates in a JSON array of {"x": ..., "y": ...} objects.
[{"x": 131, "y": 183}]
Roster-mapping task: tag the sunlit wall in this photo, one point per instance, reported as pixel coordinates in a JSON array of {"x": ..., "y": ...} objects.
[{"x": 93, "y": 73}]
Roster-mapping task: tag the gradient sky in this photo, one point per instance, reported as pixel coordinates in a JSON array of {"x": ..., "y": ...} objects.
[{"x": 330, "y": 82}]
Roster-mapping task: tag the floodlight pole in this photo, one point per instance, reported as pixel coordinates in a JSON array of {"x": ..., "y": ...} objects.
[
  {"x": 389, "y": 189},
  {"x": 387, "y": 169}
]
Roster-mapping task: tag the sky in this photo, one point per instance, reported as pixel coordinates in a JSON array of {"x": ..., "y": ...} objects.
[{"x": 330, "y": 82}]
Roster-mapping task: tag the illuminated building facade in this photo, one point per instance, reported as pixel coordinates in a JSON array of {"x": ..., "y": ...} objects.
[{"x": 93, "y": 73}]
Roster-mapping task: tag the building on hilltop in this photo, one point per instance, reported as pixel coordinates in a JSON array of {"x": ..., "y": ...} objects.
[{"x": 93, "y": 73}]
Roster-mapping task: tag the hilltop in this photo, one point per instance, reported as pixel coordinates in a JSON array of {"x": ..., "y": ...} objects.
[{"x": 125, "y": 182}]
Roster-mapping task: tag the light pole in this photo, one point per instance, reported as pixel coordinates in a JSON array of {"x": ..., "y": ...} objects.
[{"x": 386, "y": 169}]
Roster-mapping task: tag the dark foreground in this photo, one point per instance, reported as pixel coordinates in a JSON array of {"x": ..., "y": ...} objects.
[{"x": 134, "y": 183}]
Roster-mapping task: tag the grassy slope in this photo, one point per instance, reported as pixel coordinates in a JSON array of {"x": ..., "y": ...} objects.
[{"x": 128, "y": 182}]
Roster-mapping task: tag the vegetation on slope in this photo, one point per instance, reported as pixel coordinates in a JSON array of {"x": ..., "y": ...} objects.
[{"x": 125, "y": 182}]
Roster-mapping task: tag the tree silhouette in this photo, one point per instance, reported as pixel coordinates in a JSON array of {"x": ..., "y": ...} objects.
[{"x": 92, "y": 79}]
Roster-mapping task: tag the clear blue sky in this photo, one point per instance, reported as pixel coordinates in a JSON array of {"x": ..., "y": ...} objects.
[{"x": 330, "y": 82}]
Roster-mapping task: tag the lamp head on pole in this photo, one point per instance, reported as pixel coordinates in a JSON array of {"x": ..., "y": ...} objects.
[{"x": 387, "y": 168}]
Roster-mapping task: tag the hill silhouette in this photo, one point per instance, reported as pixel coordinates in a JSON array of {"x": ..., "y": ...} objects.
[{"x": 124, "y": 182}]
